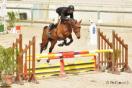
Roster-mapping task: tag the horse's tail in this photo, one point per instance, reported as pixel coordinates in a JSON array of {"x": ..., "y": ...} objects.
[
  {"x": 44, "y": 31},
  {"x": 45, "y": 36}
]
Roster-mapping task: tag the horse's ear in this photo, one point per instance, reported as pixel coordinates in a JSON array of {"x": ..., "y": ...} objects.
[{"x": 80, "y": 21}]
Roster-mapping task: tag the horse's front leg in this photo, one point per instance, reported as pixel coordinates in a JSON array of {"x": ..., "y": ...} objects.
[
  {"x": 68, "y": 43},
  {"x": 53, "y": 42},
  {"x": 63, "y": 43}
]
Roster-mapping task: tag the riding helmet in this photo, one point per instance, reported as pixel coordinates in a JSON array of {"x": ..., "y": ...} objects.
[{"x": 71, "y": 7}]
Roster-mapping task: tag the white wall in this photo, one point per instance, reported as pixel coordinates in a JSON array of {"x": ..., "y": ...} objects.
[{"x": 107, "y": 18}]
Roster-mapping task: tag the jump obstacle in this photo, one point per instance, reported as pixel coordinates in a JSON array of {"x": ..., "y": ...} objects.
[
  {"x": 26, "y": 58},
  {"x": 63, "y": 67},
  {"x": 59, "y": 69},
  {"x": 21, "y": 59},
  {"x": 116, "y": 60}
]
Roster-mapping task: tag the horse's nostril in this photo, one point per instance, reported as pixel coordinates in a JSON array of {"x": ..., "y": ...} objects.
[{"x": 78, "y": 37}]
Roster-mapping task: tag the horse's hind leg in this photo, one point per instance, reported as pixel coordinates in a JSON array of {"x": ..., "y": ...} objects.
[
  {"x": 53, "y": 42},
  {"x": 68, "y": 43},
  {"x": 43, "y": 45}
]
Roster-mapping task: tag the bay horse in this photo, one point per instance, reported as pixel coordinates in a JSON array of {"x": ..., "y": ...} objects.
[{"x": 61, "y": 32}]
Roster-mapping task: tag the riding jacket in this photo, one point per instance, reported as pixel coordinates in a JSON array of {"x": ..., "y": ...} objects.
[{"x": 64, "y": 12}]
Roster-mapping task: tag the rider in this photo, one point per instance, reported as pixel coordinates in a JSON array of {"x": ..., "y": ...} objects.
[{"x": 63, "y": 12}]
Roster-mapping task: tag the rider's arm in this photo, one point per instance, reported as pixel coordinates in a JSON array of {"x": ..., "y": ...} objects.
[{"x": 71, "y": 16}]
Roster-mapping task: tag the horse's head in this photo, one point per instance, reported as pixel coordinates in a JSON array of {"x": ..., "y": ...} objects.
[{"x": 76, "y": 27}]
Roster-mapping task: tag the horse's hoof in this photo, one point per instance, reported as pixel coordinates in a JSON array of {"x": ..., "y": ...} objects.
[
  {"x": 60, "y": 45},
  {"x": 38, "y": 60},
  {"x": 48, "y": 61},
  {"x": 67, "y": 44}
]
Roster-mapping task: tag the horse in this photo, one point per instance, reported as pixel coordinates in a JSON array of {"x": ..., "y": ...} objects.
[{"x": 61, "y": 32}]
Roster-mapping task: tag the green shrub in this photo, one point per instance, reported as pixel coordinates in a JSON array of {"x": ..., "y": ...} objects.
[
  {"x": 1, "y": 27},
  {"x": 7, "y": 60}
]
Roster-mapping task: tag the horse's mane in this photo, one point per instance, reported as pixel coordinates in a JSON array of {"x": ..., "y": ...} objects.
[{"x": 71, "y": 21}]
